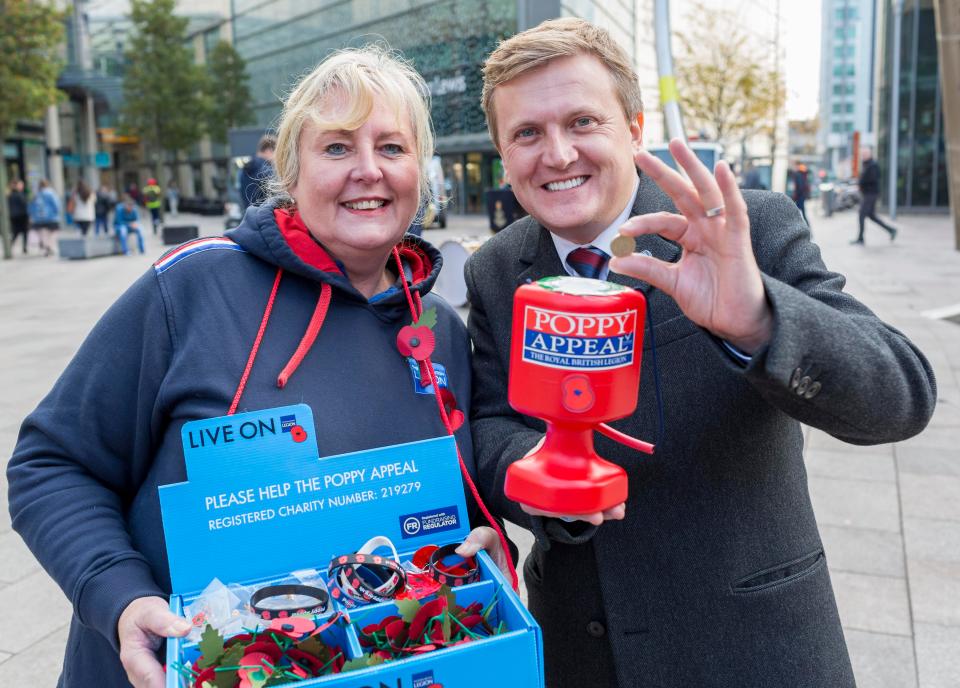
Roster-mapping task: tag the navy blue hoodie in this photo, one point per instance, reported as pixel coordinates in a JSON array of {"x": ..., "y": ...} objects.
[{"x": 84, "y": 474}]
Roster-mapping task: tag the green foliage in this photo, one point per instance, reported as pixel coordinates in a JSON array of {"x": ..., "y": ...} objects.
[
  {"x": 162, "y": 87},
  {"x": 30, "y": 34},
  {"x": 228, "y": 80},
  {"x": 726, "y": 84},
  {"x": 211, "y": 647}
]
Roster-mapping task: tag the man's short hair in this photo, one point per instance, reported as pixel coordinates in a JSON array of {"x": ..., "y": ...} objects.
[
  {"x": 553, "y": 39},
  {"x": 268, "y": 142}
]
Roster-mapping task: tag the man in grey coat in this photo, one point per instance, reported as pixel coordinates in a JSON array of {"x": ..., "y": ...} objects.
[{"x": 713, "y": 572}]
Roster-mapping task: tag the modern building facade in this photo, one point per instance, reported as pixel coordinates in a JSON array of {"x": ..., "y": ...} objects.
[
  {"x": 447, "y": 41},
  {"x": 847, "y": 57},
  {"x": 912, "y": 155}
]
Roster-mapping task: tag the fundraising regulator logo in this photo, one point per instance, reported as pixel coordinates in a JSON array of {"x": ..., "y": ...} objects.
[
  {"x": 431, "y": 521},
  {"x": 577, "y": 341}
]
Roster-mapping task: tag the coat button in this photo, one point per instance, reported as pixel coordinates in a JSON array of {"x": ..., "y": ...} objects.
[
  {"x": 596, "y": 629},
  {"x": 804, "y": 384},
  {"x": 812, "y": 391},
  {"x": 795, "y": 378}
]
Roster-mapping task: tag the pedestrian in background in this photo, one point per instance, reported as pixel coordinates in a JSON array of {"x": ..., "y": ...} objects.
[
  {"x": 869, "y": 183},
  {"x": 751, "y": 178},
  {"x": 126, "y": 221},
  {"x": 256, "y": 172},
  {"x": 173, "y": 197},
  {"x": 801, "y": 190},
  {"x": 44, "y": 212},
  {"x": 153, "y": 199},
  {"x": 84, "y": 206},
  {"x": 19, "y": 217},
  {"x": 106, "y": 199}
]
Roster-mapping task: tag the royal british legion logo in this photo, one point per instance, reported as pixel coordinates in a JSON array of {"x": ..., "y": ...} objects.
[{"x": 578, "y": 341}]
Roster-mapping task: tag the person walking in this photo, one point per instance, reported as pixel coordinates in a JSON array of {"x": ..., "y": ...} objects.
[
  {"x": 801, "y": 190},
  {"x": 173, "y": 197},
  {"x": 19, "y": 217},
  {"x": 257, "y": 172},
  {"x": 106, "y": 199},
  {"x": 153, "y": 199},
  {"x": 44, "y": 212},
  {"x": 84, "y": 203},
  {"x": 869, "y": 183}
]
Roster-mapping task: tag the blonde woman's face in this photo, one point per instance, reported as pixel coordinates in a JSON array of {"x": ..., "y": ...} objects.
[{"x": 357, "y": 191}]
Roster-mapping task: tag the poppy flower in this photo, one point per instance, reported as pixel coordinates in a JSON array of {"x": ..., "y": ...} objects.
[{"x": 417, "y": 342}]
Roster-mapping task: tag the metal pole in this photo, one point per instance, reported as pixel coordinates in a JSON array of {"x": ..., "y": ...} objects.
[
  {"x": 668, "y": 85},
  {"x": 895, "y": 110}
]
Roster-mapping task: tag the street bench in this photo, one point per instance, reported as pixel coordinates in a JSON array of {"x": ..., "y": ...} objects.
[
  {"x": 91, "y": 246},
  {"x": 177, "y": 234}
]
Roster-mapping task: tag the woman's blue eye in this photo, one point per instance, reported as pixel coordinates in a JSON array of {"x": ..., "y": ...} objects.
[
  {"x": 393, "y": 149},
  {"x": 584, "y": 121},
  {"x": 336, "y": 149}
]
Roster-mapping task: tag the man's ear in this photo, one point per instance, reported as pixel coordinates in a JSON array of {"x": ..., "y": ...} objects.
[{"x": 636, "y": 132}]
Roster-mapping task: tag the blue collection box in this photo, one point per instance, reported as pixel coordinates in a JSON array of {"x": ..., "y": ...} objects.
[{"x": 255, "y": 483}]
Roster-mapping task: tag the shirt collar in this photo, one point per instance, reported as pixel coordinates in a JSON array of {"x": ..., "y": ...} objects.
[{"x": 602, "y": 241}]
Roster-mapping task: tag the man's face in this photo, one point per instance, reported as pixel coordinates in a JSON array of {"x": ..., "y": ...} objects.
[
  {"x": 866, "y": 154},
  {"x": 567, "y": 146}
]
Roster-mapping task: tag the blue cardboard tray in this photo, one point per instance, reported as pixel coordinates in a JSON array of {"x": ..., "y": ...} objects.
[{"x": 257, "y": 477}]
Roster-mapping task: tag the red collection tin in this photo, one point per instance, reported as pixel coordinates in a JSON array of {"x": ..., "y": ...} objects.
[{"x": 575, "y": 363}]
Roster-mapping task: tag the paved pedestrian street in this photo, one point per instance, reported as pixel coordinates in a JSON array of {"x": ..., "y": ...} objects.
[{"x": 889, "y": 514}]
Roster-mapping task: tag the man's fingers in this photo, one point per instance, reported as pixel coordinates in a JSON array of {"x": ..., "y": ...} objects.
[
  {"x": 594, "y": 518},
  {"x": 660, "y": 274},
  {"x": 616, "y": 513},
  {"x": 736, "y": 207},
  {"x": 668, "y": 225},
  {"x": 680, "y": 191},
  {"x": 700, "y": 176}
]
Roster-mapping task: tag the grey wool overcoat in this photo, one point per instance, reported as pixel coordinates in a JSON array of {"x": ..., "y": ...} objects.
[{"x": 717, "y": 576}]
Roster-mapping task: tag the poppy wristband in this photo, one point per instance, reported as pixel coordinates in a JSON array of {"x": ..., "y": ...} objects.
[
  {"x": 352, "y": 574},
  {"x": 464, "y": 572},
  {"x": 273, "y": 591}
]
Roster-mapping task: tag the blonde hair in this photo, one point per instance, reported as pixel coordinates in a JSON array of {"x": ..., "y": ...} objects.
[
  {"x": 553, "y": 39},
  {"x": 357, "y": 76}
]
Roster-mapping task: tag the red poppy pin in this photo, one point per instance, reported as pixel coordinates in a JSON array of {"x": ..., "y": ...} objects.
[{"x": 417, "y": 340}]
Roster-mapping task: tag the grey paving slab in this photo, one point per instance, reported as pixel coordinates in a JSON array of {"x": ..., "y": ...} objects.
[
  {"x": 881, "y": 661},
  {"x": 872, "y": 603},
  {"x": 856, "y": 503},
  {"x": 875, "y": 465},
  {"x": 17, "y": 561},
  {"x": 859, "y": 550},
  {"x": 930, "y": 496},
  {"x": 937, "y": 437},
  {"x": 928, "y": 460},
  {"x": 938, "y": 655},
  {"x": 4, "y": 656},
  {"x": 33, "y": 608},
  {"x": 935, "y": 591},
  {"x": 39, "y": 665},
  {"x": 932, "y": 540}
]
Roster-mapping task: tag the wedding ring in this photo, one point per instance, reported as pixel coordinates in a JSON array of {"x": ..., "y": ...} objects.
[{"x": 713, "y": 212}]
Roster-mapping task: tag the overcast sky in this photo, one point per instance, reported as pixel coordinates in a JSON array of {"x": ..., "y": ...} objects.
[{"x": 799, "y": 40}]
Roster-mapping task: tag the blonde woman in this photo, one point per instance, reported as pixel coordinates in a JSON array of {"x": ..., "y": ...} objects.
[{"x": 328, "y": 251}]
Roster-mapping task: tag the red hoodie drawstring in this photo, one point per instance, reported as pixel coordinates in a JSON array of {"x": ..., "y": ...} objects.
[
  {"x": 256, "y": 343},
  {"x": 416, "y": 309},
  {"x": 313, "y": 329}
]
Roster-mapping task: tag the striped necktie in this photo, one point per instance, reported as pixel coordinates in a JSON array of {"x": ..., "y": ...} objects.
[{"x": 588, "y": 261}]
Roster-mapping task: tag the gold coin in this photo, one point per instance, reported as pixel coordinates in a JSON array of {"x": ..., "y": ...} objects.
[{"x": 622, "y": 245}]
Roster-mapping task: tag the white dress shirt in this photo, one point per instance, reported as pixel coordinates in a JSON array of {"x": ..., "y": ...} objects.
[{"x": 602, "y": 241}]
